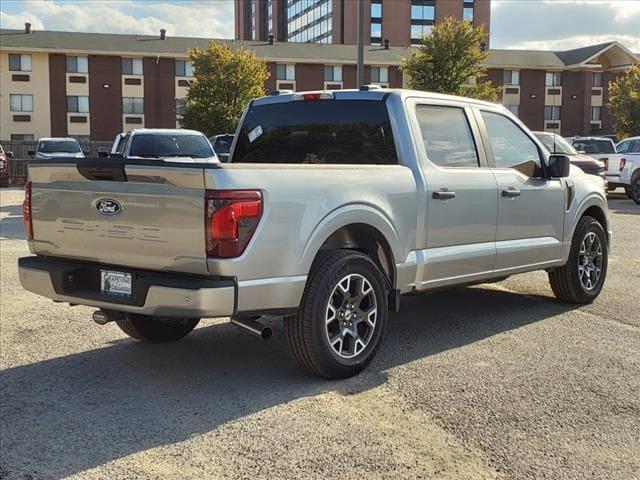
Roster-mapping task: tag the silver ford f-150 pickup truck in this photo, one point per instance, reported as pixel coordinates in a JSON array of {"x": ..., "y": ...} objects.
[{"x": 334, "y": 204}]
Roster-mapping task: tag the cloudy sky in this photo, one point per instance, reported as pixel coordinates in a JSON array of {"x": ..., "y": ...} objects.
[{"x": 535, "y": 24}]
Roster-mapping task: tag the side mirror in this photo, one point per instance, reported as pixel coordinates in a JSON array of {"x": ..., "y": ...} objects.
[
  {"x": 103, "y": 154},
  {"x": 559, "y": 166},
  {"x": 9, "y": 154},
  {"x": 31, "y": 153}
]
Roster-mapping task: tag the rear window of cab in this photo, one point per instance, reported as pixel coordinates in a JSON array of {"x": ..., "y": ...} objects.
[{"x": 317, "y": 132}]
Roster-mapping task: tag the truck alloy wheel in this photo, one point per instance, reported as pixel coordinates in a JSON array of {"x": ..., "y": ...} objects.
[
  {"x": 590, "y": 261},
  {"x": 342, "y": 317},
  {"x": 351, "y": 316}
]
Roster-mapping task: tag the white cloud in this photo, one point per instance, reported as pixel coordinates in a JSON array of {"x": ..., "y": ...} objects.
[
  {"x": 196, "y": 19},
  {"x": 18, "y": 21},
  {"x": 564, "y": 24}
]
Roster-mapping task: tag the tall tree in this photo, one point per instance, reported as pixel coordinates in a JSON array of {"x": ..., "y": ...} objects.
[
  {"x": 226, "y": 79},
  {"x": 624, "y": 103},
  {"x": 449, "y": 60}
]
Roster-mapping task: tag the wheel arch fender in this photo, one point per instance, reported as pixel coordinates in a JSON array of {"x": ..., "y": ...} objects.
[
  {"x": 347, "y": 216},
  {"x": 595, "y": 206}
]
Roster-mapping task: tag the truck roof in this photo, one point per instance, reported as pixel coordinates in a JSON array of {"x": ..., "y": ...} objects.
[
  {"x": 165, "y": 131},
  {"x": 370, "y": 94}
]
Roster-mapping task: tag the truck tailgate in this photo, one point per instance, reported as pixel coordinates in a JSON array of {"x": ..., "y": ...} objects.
[{"x": 144, "y": 216}]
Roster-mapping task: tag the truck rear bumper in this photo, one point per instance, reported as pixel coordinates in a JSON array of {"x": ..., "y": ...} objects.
[{"x": 154, "y": 293}]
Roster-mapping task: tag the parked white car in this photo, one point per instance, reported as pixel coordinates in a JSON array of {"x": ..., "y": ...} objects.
[
  {"x": 629, "y": 167},
  {"x": 164, "y": 143},
  {"x": 49, "y": 148}
]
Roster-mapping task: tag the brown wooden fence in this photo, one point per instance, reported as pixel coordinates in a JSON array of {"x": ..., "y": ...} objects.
[{"x": 18, "y": 168}]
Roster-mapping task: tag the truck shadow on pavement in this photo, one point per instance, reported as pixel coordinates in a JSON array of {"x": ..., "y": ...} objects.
[
  {"x": 11, "y": 226},
  {"x": 66, "y": 415}
]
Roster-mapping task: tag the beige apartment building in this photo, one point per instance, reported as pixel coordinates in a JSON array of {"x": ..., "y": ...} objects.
[{"x": 93, "y": 86}]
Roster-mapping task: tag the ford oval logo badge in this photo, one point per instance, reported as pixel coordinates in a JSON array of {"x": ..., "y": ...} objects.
[{"x": 108, "y": 206}]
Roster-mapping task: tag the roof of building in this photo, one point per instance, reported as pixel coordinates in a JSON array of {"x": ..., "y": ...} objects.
[
  {"x": 179, "y": 46},
  {"x": 579, "y": 55},
  {"x": 122, "y": 44}
]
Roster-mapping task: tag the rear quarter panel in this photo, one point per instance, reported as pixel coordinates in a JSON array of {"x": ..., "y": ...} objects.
[{"x": 305, "y": 204}]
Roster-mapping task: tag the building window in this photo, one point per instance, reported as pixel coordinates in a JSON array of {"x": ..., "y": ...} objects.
[
  {"x": 332, "y": 73},
  {"x": 78, "y": 104},
  {"x": 511, "y": 77},
  {"x": 184, "y": 68},
  {"x": 268, "y": 21},
  {"x": 515, "y": 109},
  {"x": 21, "y": 103},
  {"x": 380, "y": 75},
  {"x": 551, "y": 113},
  {"x": 252, "y": 16},
  {"x": 596, "y": 79},
  {"x": 77, "y": 64},
  {"x": 553, "y": 79},
  {"x": 595, "y": 114},
  {"x": 181, "y": 106},
  {"x": 423, "y": 15},
  {"x": 285, "y": 72},
  {"x": 309, "y": 21},
  {"x": 376, "y": 22},
  {"x": 419, "y": 31},
  {"x": 19, "y": 63},
  {"x": 132, "y": 105},
  {"x": 467, "y": 14},
  {"x": 22, "y": 137},
  {"x": 132, "y": 66}
]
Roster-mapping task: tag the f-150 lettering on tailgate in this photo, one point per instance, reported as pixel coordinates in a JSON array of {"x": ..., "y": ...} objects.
[{"x": 112, "y": 230}]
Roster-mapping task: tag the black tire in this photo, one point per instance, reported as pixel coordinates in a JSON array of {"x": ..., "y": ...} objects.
[
  {"x": 154, "y": 330},
  {"x": 633, "y": 190},
  {"x": 565, "y": 281},
  {"x": 307, "y": 331}
]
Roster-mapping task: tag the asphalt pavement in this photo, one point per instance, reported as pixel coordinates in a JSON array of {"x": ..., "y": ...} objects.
[{"x": 492, "y": 381}]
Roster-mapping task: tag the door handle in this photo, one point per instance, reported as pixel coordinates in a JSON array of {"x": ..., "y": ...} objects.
[
  {"x": 511, "y": 192},
  {"x": 444, "y": 194}
]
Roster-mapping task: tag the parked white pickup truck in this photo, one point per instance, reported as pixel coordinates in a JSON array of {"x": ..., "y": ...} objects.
[
  {"x": 334, "y": 204},
  {"x": 622, "y": 161},
  {"x": 629, "y": 167}
]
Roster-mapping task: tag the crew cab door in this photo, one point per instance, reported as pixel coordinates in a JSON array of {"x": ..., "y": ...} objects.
[
  {"x": 461, "y": 196},
  {"x": 530, "y": 207}
]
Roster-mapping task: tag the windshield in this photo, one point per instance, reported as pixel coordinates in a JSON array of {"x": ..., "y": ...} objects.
[
  {"x": 561, "y": 145},
  {"x": 320, "y": 131},
  {"x": 591, "y": 146},
  {"x": 58, "y": 146},
  {"x": 159, "y": 146},
  {"x": 223, "y": 144}
]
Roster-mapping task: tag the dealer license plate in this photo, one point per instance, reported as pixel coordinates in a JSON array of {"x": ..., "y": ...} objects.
[{"x": 115, "y": 283}]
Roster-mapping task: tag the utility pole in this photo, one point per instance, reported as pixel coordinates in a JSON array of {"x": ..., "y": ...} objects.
[{"x": 360, "y": 69}]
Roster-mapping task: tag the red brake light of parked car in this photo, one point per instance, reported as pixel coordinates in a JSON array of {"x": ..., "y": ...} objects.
[
  {"x": 606, "y": 162},
  {"x": 26, "y": 212},
  {"x": 313, "y": 96},
  {"x": 232, "y": 217},
  {"x": 623, "y": 162}
]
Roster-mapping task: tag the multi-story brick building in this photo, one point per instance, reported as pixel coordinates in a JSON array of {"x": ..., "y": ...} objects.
[
  {"x": 401, "y": 22},
  {"x": 94, "y": 86}
]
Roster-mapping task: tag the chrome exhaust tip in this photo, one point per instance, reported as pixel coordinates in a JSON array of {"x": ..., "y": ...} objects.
[
  {"x": 102, "y": 317},
  {"x": 253, "y": 327}
]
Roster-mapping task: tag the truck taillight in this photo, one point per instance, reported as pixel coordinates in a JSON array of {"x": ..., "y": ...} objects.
[
  {"x": 26, "y": 212},
  {"x": 623, "y": 162},
  {"x": 606, "y": 162},
  {"x": 231, "y": 218}
]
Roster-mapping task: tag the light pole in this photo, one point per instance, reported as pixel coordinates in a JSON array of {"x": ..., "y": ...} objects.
[{"x": 360, "y": 68}]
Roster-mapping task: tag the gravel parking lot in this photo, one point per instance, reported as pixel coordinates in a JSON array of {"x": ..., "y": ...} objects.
[{"x": 494, "y": 381}]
